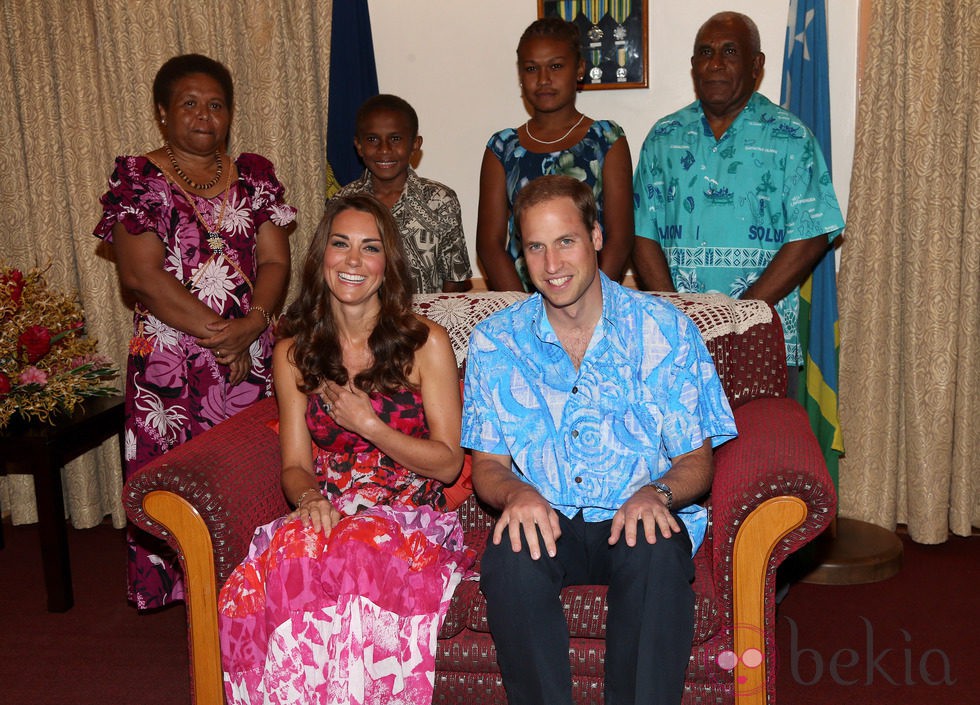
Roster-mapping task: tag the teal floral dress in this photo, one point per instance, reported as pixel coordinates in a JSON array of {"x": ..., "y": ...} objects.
[{"x": 583, "y": 161}]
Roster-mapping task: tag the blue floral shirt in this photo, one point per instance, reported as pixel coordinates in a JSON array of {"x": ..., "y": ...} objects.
[
  {"x": 583, "y": 161},
  {"x": 722, "y": 208},
  {"x": 588, "y": 439}
]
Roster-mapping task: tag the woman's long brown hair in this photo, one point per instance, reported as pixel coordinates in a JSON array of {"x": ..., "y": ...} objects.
[{"x": 397, "y": 333}]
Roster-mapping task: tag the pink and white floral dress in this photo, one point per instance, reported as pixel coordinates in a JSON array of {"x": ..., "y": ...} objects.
[{"x": 351, "y": 618}]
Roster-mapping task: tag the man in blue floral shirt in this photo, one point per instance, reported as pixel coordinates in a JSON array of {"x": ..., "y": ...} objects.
[{"x": 592, "y": 411}]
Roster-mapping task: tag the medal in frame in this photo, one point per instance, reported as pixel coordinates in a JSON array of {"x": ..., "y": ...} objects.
[{"x": 613, "y": 39}]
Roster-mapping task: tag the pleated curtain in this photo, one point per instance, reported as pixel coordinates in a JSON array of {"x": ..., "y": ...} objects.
[
  {"x": 76, "y": 80},
  {"x": 910, "y": 275}
]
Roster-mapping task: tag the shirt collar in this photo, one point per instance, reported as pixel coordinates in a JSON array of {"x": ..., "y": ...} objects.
[
  {"x": 412, "y": 183},
  {"x": 607, "y": 324},
  {"x": 751, "y": 108}
]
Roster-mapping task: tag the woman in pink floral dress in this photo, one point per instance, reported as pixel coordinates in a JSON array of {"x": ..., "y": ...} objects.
[
  {"x": 200, "y": 244},
  {"x": 341, "y": 601}
]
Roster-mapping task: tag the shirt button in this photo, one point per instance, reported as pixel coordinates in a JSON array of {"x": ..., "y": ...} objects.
[
  {"x": 574, "y": 390},
  {"x": 578, "y": 480},
  {"x": 575, "y": 434}
]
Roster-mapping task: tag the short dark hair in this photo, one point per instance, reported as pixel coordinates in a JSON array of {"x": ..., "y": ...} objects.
[
  {"x": 553, "y": 28},
  {"x": 184, "y": 65},
  {"x": 755, "y": 43},
  {"x": 548, "y": 188},
  {"x": 389, "y": 102}
]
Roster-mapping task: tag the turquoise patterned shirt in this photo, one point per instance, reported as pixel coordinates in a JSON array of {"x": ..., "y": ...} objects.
[
  {"x": 721, "y": 209},
  {"x": 587, "y": 439},
  {"x": 583, "y": 161}
]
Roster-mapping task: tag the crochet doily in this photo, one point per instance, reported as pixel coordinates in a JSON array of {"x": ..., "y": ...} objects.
[
  {"x": 459, "y": 313},
  {"x": 715, "y": 314}
]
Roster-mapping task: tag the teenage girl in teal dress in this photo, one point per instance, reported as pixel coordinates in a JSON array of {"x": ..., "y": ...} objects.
[{"x": 557, "y": 139}]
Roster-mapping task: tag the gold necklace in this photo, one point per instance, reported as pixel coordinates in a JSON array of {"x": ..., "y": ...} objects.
[
  {"x": 193, "y": 184},
  {"x": 213, "y": 230},
  {"x": 527, "y": 129}
]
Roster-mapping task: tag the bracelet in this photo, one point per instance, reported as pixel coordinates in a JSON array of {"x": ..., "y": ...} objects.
[
  {"x": 265, "y": 314},
  {"x": 299, "y": 502}
]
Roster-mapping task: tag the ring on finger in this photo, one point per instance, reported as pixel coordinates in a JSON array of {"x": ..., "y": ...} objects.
[{"x": 327, "y": 407}]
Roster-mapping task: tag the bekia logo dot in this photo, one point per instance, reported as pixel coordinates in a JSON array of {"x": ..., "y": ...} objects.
[{"x": 751, "y": 680}]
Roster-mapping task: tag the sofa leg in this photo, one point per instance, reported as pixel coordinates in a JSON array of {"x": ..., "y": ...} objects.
[
  {"x": 756, "y": 538},
  {"x": 185, "y": 524}
]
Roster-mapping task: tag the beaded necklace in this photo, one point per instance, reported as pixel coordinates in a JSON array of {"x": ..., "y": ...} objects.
[
  {"x": 193, "y": 184},
  {"x": 213, "y": 230}
]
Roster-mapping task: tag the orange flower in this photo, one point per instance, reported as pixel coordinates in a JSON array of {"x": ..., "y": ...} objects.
[{"x": 140, "y": 346}]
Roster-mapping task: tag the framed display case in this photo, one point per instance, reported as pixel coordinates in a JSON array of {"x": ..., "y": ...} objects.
[{"x": 613, "y": 39}]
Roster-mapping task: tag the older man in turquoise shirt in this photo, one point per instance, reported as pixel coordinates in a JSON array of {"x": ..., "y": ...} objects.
[
  {"x": 592, "y": 411},
  {"x": 732, "y": 193}
]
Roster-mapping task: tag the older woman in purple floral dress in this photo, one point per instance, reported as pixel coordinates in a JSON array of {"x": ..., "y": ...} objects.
[{"x": 200, "y": 243}]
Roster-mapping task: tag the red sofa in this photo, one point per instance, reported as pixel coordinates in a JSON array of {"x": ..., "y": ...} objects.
[{"x": 771, "y": 495}]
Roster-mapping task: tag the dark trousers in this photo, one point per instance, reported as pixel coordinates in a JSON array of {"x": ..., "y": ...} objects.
[{"x": 649, "y": 627}]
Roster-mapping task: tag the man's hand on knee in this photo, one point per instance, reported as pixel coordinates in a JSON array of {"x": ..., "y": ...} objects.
[
  {"x": 646, "y": 506},
  {"x": 526, "y": 510}
]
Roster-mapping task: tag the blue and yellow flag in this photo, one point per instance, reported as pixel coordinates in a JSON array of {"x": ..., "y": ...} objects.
[{"x": 806, "y": 94}]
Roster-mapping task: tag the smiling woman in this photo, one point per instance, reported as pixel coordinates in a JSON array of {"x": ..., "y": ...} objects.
[
  {"x": 200, "y": 242},
  {"x": 354, "y": 260},
  {"x": 557, "y": 139},
  {"x": 369, "y": 419}
]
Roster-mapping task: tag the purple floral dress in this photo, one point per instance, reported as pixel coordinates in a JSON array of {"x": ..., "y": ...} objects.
[{"x": 174, "y": 388}]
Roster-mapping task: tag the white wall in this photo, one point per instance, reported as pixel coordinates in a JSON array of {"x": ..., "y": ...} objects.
[{"x": 455, "y": 62}]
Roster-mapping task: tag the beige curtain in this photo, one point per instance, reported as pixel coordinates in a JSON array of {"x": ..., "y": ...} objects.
[
  {"x": 76, "y": 84},
  {"x": 910, "y": 275}
]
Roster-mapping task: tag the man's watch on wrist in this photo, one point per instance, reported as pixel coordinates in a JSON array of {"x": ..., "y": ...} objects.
[{"x": 663, "y": 489}]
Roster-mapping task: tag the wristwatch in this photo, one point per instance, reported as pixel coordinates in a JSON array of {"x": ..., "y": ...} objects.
[{"x": 663, "y": 489}]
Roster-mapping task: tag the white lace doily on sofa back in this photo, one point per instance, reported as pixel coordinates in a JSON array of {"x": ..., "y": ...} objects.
[{"x": 715, "y": 314}]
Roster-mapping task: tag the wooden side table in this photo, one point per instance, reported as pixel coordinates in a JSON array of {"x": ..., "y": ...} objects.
[{"x": 42, "y": 450}]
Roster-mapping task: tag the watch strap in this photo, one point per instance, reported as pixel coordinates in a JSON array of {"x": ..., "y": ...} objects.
[{"x": 664, "y": 489}]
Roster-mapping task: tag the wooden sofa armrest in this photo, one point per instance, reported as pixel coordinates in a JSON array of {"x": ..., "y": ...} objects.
[
  {"x": 775, "y": 455},
  {"x": 205, "y": 498},
  {"x": 189, "y": 531},
  {"x": 771, "y": 495},
  {"x": 755, "y": 542},
  {"x": 229, "y": 475}
]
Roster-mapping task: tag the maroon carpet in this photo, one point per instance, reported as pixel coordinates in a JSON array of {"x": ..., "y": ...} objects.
[
  {"x": 99, "y": 652},
  {"x": 909, "y": 640},
  {"x": 913, "y": 639}
]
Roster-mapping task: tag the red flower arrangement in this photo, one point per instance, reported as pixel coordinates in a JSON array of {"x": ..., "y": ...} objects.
[{"x": 47, "y": 364}]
